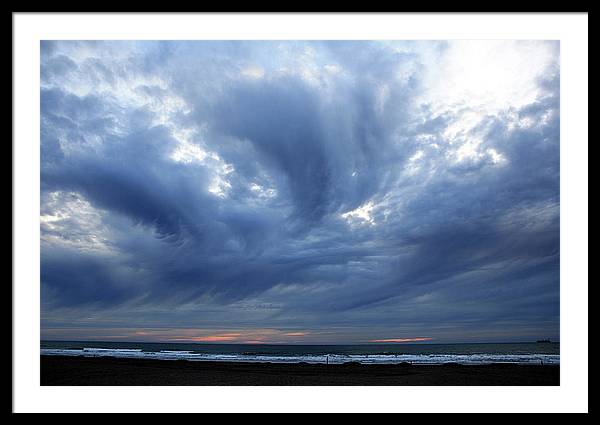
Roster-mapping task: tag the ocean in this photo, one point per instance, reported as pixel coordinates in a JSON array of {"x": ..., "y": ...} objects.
[{"x": 481, "y": 353}]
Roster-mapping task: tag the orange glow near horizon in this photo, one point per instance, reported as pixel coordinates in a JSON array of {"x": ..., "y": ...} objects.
[
  {"x": 211, "y": 338},
  {"x": 259, "y": 336},
  {"x": 401, "y": 340}
]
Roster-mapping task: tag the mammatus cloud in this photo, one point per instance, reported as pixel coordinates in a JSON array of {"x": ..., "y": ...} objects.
[{"x": 300, "y": 191}]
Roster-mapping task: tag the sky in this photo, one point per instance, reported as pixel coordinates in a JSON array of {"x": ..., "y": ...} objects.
[{"x": 301, "y": 192}]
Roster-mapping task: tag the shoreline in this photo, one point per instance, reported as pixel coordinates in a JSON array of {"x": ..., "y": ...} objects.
[{"x": 71, "y": 370}]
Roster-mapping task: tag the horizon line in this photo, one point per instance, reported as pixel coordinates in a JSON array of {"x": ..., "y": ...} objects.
[{"x": 420, "y": 342}]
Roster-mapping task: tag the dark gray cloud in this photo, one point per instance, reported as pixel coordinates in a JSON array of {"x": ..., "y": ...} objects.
[{"x": 335, "y": 188}]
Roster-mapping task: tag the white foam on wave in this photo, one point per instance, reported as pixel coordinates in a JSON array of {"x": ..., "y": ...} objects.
[
  {"x": 330, "y": 358},
  {"x": 120, "y": 350}
]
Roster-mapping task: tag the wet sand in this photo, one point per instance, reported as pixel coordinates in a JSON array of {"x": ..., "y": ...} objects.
[{"x": 64, "y": 370}]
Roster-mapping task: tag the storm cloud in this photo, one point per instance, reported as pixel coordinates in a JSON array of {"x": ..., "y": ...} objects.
[{"x": 287, "y": 191}]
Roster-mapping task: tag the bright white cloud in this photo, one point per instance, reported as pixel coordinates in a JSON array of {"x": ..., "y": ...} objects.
[{"x": 362, "y": 214}]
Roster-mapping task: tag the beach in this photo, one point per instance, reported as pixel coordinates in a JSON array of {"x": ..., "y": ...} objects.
[{"x": 71, "y": 370}]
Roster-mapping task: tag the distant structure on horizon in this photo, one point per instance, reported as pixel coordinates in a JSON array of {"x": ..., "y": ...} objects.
[{"x": 543, "y": 341}]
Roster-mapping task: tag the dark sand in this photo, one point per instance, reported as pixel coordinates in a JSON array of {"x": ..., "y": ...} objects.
[{"x": 59, "y": 370}]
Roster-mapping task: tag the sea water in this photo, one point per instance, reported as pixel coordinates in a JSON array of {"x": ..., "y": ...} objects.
[{"x": 482, "y": 353}]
